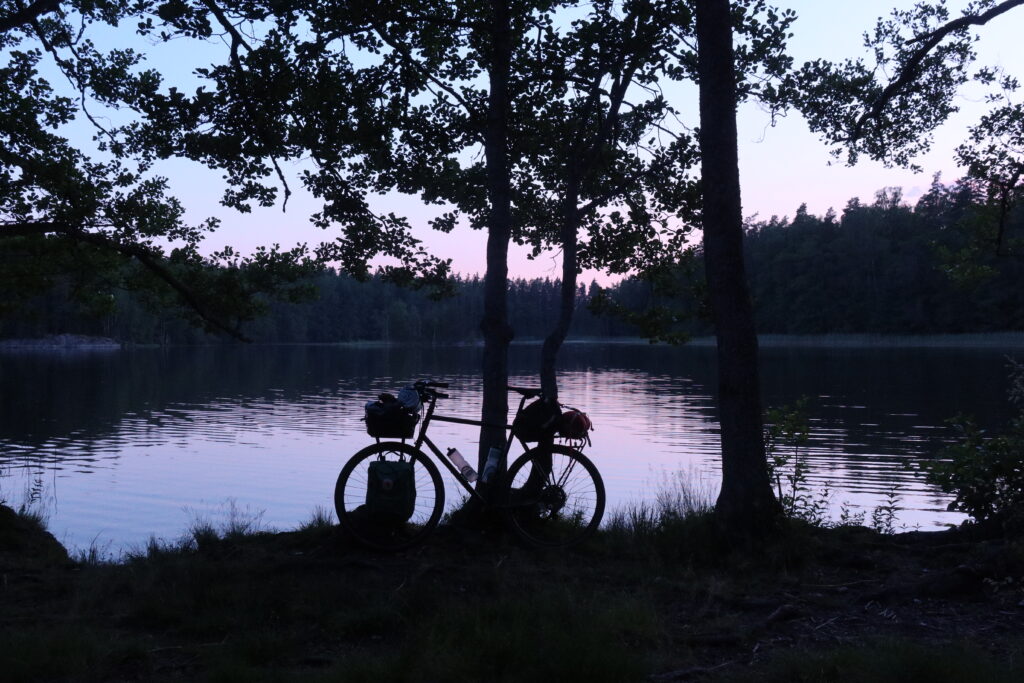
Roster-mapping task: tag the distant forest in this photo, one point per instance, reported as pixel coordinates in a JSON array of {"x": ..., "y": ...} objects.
[{"x": 940, "y": 266}]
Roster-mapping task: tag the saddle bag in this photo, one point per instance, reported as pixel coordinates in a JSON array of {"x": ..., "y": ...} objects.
[{"x": 537, "y": 421}]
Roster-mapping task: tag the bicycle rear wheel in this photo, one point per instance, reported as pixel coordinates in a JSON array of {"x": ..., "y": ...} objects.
[
  {"x": 352, "y": 491},
  {"x": 554, "y": 498}
]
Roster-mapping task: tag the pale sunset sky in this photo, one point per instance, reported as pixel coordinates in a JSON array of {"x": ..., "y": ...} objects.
[{"x": 781, "y": 166}]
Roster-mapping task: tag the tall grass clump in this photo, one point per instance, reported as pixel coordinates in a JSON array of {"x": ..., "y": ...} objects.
[
  {"x": 96, "y": 554},
  {"x": 34, "y": 515},
  {"x": 321, "y": 519},
  {"x": 236, "y": 523},
  {"x": 669, "y": 524},
  {"x": 30, "y": 510}
]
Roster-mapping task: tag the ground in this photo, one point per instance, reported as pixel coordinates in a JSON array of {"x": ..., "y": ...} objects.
[{"x": 812, "y": 604}]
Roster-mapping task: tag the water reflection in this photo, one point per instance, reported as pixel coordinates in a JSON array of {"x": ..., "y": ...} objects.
[{"x": 121, "y": 445}]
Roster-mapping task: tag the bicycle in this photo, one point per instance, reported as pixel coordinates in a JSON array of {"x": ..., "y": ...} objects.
[{"x": 551, "y": 496}]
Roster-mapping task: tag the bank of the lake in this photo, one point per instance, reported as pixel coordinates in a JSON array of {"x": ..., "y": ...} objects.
[
  {"x": 60, "y": 342},
  {"x": 986, "y": 340},
  {"x": 666, "y": 603}
]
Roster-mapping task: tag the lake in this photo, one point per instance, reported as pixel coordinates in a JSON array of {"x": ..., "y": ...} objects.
[{"x": 116, "y": 446}]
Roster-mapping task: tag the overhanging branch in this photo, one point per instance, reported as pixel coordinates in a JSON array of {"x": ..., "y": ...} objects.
[{"x": 928, "y": 41}]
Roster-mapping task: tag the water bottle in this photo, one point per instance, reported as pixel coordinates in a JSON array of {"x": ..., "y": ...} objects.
[
  {"x": 492, "y": 464},
  {"x": 468, "y": 472}
]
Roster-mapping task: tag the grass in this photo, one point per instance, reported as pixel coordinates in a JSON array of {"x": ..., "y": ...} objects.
[
  {"x": 322, "y": 519},
  {"x": 675, "y": 524},
  {"x": 35, "y": 516},
  {"x": 657, "y": 591}
]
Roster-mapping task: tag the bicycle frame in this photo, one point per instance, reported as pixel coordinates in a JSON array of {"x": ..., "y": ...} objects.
[
  {"x": 551, "y": 497},
  {"x": 422, "y": 439}
]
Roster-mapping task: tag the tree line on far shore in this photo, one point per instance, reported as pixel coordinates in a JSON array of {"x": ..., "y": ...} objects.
[
  {"x": 884, "y": 267},
  {"x": 939, "y": 266}
]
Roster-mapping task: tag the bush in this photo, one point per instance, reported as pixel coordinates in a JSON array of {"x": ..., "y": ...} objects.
[
  {"x": 986, "y": 473},
  {"x": 789, "y": 426}
]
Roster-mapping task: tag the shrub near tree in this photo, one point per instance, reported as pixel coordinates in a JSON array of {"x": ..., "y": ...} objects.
[{"x": 986, "y": 473}]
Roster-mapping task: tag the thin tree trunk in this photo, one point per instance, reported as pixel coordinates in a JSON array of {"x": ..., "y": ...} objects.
[
  {"x": 746, "y": 503},
  {"x": 567, "y": 296},
  {"x": 495, "y": 328}
]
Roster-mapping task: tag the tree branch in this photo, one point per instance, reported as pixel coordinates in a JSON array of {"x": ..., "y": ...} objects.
[
  {"x": 929, "y": 41},
  {"x": 67, "y": 69},
  {"x": 970, "y": 20},
  {"x": 236, "y": 38},
  {"x": 25, "y": 15},
  {"x": 239, "y": 41},
  {"x": 407, "y": 55},
  {"x": 28, "y": 229}
]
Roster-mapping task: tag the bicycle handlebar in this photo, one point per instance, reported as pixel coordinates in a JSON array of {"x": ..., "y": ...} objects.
[{"x": 427, "y": 388}]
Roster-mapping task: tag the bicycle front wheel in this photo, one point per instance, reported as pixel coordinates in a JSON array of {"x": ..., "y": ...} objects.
[
  {"x": 352, "y": 498},
  {"x": 554, "y": 497}
]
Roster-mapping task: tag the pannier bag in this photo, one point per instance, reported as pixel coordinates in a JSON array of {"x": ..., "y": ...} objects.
[
  {"x": 575, "y": 425},
  {"x": 390, "y": 418},
  {"x": 536, "y": 421},
  {"x": 390, "y": 491}
]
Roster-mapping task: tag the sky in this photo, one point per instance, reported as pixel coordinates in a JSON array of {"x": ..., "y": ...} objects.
[{"x": 781, "y": 165}]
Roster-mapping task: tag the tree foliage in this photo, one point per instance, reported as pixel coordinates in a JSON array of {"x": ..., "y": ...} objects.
[
  {"x": 887, "y": 268},
  {"x": 929, "y": 56},
  {"x": 889, "y": 107},
  {"x": 66, "y": 211}
]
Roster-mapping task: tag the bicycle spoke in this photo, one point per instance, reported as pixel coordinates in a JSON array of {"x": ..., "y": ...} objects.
[
  {"x": 558, "y": 505},
  {"x": 568, "y": 471}
]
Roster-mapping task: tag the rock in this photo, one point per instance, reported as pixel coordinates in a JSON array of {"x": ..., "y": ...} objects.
[{"x": 26, "y": 541}]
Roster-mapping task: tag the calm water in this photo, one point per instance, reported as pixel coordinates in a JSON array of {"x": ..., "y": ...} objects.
[{"x": 118, "y": 446}]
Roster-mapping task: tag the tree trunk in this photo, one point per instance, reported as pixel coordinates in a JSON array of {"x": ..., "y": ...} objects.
[
  {"x": 746, "y": 503},
  {"x": 567, "y": 296},
  {"x": 495, "y": 328}
]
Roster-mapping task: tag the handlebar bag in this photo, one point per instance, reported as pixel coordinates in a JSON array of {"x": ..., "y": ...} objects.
[{"x": 390, "y": 419}]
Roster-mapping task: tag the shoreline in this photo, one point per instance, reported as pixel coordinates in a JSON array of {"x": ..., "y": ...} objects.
[
  {"x": 969, "y": 340},
  {"x": 62, "y": 342}
]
